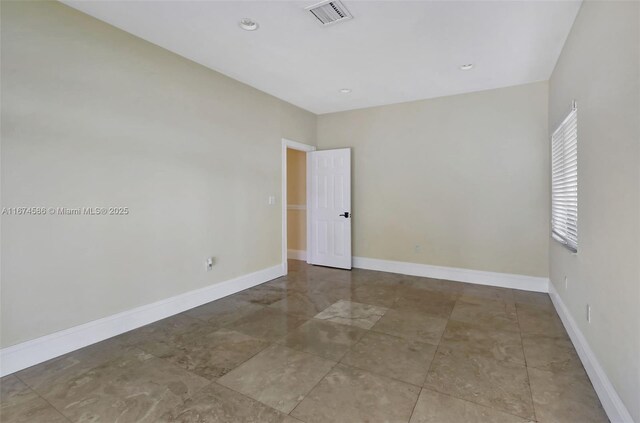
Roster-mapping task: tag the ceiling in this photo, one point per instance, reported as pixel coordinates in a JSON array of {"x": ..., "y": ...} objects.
[{"x": 391, "y": 52}]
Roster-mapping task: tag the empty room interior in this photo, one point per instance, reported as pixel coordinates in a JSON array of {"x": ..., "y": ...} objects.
[{"x": 315, "y": 212}]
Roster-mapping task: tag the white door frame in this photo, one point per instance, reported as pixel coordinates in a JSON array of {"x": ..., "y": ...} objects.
[{"x": 294, "y": 145}]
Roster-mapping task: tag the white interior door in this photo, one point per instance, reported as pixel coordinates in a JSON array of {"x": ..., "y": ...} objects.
[{"x": 329, "y": 207}]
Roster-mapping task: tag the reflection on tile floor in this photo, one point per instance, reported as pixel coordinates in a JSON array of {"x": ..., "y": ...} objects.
[{"x": 325, "y": 345}]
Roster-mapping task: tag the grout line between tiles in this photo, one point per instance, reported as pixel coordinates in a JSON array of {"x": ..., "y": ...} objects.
[
  {"x": 169, "y": 362},
  {"x": 413, "y": 410},
  {"x": 435, "y": 389},
  {"x": 477, "y": 404},
  {"x": 311, "y": 390},
  {"x": 439, "y": 343},
  {"x": 432, "y": 360},
  {"x": 533, "y": 404},
  {"x": 318, "y": 355},
  {"x": 215, "y": 381},
  {"x": 44, "y": 399},
  {"x": 127, "y": 348},
  {"x": 379, "y": 374},
  {"x": 403, "y": 338},
  {"x": 472, "y": 402},
  {"x": 350, "y": 348}
]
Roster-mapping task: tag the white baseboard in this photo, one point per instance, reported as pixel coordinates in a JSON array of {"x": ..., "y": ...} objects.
[
  {"x": 29, "y": 353},
  {"x": 504, "y": 280},
  {"x": 297, "y": 255},
  {"x": 613, "y": 405}
]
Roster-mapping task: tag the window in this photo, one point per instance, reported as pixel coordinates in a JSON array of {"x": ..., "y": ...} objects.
[{"x": 564, "y": 182}]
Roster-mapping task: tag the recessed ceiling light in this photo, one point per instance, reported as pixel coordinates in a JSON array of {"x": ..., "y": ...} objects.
[
  {"x": 345, "y": 90},
  {"x": 248, "y": 24},
  {"x": 468, "y": 66}
]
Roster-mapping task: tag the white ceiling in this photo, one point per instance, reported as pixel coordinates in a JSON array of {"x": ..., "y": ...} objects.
[{"x": 391, "y": 52}]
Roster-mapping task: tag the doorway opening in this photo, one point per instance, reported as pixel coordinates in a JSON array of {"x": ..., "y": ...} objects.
[{"x": 294, "y": 201}]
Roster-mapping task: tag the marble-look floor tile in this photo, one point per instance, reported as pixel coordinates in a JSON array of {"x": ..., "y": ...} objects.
[
  {"x": 332, "y": 273},
  {"x": 434, "y": 407},
  {"x": 290, "y": 283},
  {"x": 386, "y": 355},
  {"x": 411, "y": 325},
  {"x": 536, "y": 320},
  {"x": 326, "y": 339},
  {"x": 434, "y": 303},
  {"x": 42, "y": 377},
  {"x": 218, "y": 404},
  {"x": 136, "y": 387},
  {"x": 500, "y": 345},
  {"x": 363, "y": 277},
  {"x": 366, "y": 275},
  {"x": 564, "y": 397},
  {"x": 349, "y": 313},
  {"x": 262, "y": 295},
  {"x": 507, "y": 307},
  {"x": 351, "y": 395},
  {"x": 296, "y": 265},
  {"x": 19, "y": 404},
  {"x": 329, "y": 273},
  {"x": 162, "y": 337},
  {"x": 278, "y": 376},
  {"x": 223, "y": 311},
  {"x": 313, "y": 281},
  {"x": 452, "y": 289},
  {"x": 493, "y": 315},
  {"x": 552, "y": 353},
  {"x": 333, "y": 292},
  {"x": 488, "y": 292},
  {"x": 377, "y": 295},
  {"x": 483, "y": 380},
  {"x": 214, "y": 354},
  {"x": 538, "y": 299},
  {"x": 269, "y": 324},
  {"x": 304, "y": 304}
]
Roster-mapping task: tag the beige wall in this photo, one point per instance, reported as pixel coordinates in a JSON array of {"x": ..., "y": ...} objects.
[
  {"x": 296, "y": 196},
  {"x": 92, "y": 116},
  {"x": 465, "y": 178},
  {"x": 599, "y": 68}
]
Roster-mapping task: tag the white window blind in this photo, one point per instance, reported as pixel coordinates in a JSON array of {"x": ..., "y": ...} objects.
[{"x": 564, "y": 182}]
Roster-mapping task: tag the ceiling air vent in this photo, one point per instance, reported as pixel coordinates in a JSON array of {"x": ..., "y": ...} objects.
[{"x": 330, "y": 12}]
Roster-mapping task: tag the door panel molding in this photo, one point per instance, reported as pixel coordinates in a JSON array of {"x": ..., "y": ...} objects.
[{"x": 329, "y": 208}]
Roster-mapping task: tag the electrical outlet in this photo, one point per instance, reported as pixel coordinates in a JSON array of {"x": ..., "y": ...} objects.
[
  {"x": 271, "y": 200},
  {"x": 566, "y": 283},
  {"x": 210, "y": 261},
  {"x": 417, "y": 249},
  {"x": 588, "y": 313}
]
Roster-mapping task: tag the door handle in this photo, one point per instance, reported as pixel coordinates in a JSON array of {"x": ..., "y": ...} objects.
[{"x": 345, "y": 214}]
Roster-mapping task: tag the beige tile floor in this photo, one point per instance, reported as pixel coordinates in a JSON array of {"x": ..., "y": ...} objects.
[{"x": 325, "y": 345}]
